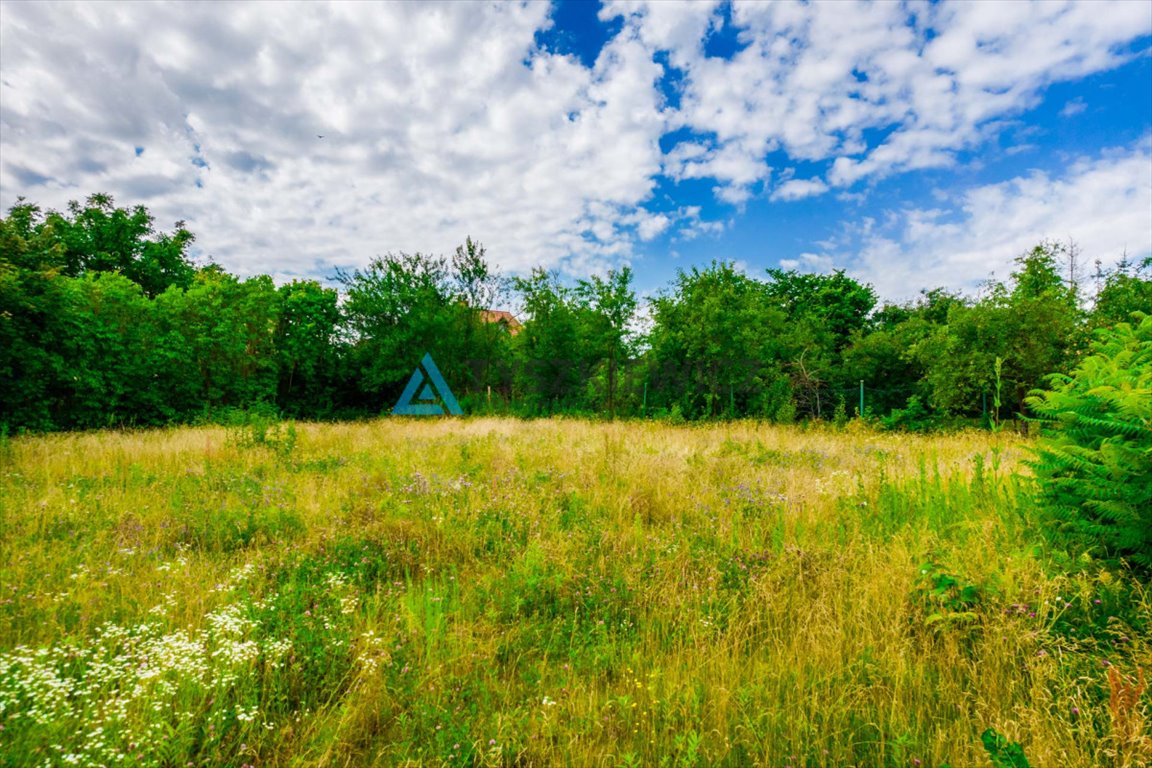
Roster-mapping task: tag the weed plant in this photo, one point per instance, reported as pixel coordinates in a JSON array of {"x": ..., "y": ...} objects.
[{"x": 491, "y": 592}]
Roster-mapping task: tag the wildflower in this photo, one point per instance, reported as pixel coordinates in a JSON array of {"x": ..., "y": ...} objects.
[{"x": 1075, "y": 710}]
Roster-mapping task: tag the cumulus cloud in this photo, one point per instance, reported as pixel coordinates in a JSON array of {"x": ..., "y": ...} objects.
[
  {"x": 811, "y": 79},
  {"x": 810, "y": 262},
  {"x": 798, "y": 189},
  {"x": 1102, "y": 204},
  {"x": 651, "y": 226},
  {"x": 296, "y": 137},
  {"x": 1073, "y": 108}
]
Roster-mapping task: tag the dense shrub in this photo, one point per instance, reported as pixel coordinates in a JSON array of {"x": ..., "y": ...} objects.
[{"x": 1094, "y": 463}]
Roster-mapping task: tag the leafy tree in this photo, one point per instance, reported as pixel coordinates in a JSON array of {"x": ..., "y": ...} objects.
[
  {"x": 608, "y": 307},
  {"x": 880, "y": 359},
  {"x": 1094, "y": 467},
  {"x": 478, "y": 289},
  {"x": 1126, "y": 289},
  {"x": 1032, "y": 325},
  {"x": 74, "y": 351},
  {"x": 35, "y": 317},
  {"x": 27, "y": 243},
  {"x": 216, "y": 343},
  {"x": 111, "y": 353},
  {"x": 883, "y": 354},
  {"x": 836, "y": 304},
  {"x": 99, "y": 237},
  {"x": 473, "y": 279},
  {"x": 31, "y": 294},
  {"x": 308, "y": 326},
  {"x": 397, "y": 309},
  {"x": 403, "y": 305},
  {"x": 715, "y": 345},
  {"x": 823, "y": 313},
  {"x": 550, "y": 361}
]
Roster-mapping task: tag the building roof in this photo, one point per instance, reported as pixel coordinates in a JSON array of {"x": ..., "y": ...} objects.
[{"x": 501, "y": 316}]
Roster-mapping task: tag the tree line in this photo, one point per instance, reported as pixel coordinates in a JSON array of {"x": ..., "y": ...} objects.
[{"x": 106, "y": 321}]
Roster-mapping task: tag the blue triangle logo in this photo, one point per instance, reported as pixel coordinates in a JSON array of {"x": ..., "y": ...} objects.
[{"x": 434, "y": 385}]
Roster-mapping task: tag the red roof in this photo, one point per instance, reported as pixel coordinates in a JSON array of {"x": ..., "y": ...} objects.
[{"x": 500, "y": 316}]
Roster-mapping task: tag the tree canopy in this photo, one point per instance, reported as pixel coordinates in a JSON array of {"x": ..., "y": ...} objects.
[{"x": 107, "y": 320}]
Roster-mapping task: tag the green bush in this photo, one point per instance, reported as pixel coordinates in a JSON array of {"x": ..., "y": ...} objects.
[
  {"x": 1004, "y": 753},
  {"x": 260, "y": 427},
  {"x": 1093, "y": 462},
  {"x": 913, "y": 417}
]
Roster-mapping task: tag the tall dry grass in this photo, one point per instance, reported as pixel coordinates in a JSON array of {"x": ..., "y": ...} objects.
[{"x": 497, "y": 592}]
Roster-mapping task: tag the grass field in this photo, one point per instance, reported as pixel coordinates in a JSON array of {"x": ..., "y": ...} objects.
[{"x": 497, "y": 592}]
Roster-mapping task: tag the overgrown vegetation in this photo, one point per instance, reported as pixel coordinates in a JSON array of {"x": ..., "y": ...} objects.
[
  {"x": 1094, "y": 467},
  {"x": 105, "y": 321},
  {"x": 491, "y": 592}
]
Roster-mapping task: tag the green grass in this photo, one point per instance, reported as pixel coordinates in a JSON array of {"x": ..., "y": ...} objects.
[{"x": 492, "y": 592}]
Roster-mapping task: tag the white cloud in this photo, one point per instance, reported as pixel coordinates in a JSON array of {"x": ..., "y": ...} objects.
[
  {"x": 692, "y": 226},
  {"x": 652, "y": 226},
  {"x": 677, "y": 26},
  {"x": 814, "y": 77},
  {"x": 798, "y": 189},
  {"x": 1073, "y": 108},
  {"x": 437, "y": 122},
  {"x": 810, "y": 262},
  {"x": 1104, "y": 205},
  {"x": 441, "y": 121}
]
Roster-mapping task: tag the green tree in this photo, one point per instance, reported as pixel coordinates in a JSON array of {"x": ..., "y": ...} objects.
[
  {"x": 883, "y": 354},
  {"x": 75, "y": 346},
  {"x": 217, "y": 343},
  {"x": 551, "y": 365},
  {"x": 32, "y": 296},
  {"x": 112, "y": 354},
  {"x": 1033, "y": 325},
  {"x": 608, "y": 306},
  {"x": 836, "y": 304},
  {"x": 398, "y": 308},
  {"x": 823, "y": 313},
  {"x": 1126, "y": 289},
  {"x": 715, "y": 346},
  {"x": 308, "y": 326},
  {"x": 478, "y": 288},
  {"x": 99, "y": 237}
]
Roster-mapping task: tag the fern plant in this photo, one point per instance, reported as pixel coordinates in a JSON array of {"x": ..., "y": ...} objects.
[{"x": 1093, "y": 462}]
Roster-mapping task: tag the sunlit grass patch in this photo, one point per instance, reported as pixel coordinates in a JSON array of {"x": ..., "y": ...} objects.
[{"x": 491, "y": 592}]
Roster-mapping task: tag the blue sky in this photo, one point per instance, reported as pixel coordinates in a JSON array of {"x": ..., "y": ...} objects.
[{"x": 912, "y": 144}]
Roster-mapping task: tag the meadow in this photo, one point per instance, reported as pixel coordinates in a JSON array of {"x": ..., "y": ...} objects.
[{"x": 493, "y": 592}]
